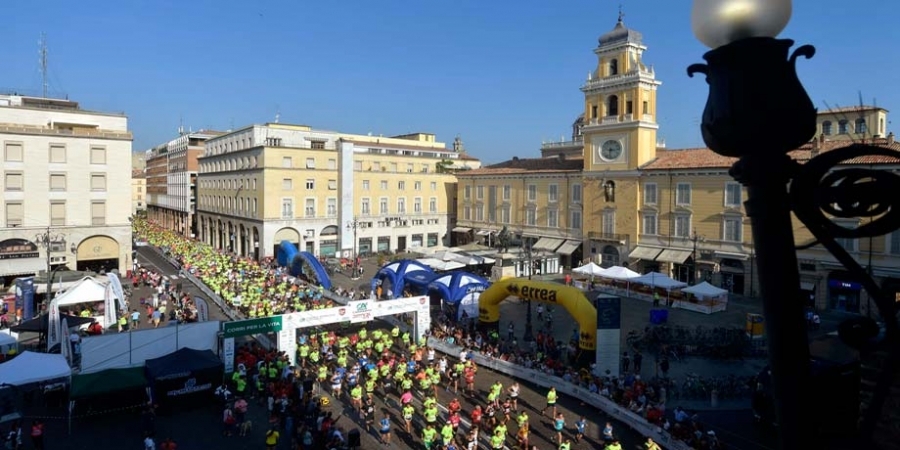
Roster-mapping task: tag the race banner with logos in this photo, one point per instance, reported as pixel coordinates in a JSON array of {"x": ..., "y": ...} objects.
[{"x": 25, "y": 297}]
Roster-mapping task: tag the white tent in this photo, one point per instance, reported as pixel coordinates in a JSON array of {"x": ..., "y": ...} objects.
[
  {"x": 31, "y": 367},
  {"x": 619, "y": 273},
  {"x": 437, "y": 264},
  {"x": 705, "y": 290},
  {"x": 656, "y": 279},
  {"x": 88, "y": 289},
  {"x": 590, "y": 269}
]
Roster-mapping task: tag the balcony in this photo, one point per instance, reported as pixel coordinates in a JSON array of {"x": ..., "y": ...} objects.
[
  {"x": 599, "y": 236},
  {"x": 562, "y": 144},
  {"x": 77, "y": 132}
]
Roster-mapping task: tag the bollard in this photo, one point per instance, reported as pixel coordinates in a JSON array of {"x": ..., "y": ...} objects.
[{"x": 714, "y": 398}]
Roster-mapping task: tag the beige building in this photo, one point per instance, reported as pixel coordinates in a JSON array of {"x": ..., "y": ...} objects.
[
  {"x": 614, "y": 195},
  {"x": 66, "y": 173},
  {"x": 853, "y": 123},
  {"x": 138, "y": 192},
  {"x": 328, "y": 193}
]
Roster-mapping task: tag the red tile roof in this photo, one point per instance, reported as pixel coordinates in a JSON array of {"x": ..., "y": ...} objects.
[{"x": 529, "y": 165}]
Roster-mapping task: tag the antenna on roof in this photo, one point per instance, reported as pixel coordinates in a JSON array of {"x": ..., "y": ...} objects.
[
  {"x": 42, "y": 52},
  {"x": 277, "y": 114},
  {"x": 180, "y": 125}
]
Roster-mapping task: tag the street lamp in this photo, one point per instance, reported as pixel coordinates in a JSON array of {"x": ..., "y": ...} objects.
[
  {"x": 354, "y": 225},
  {"x": 529, "y": 331},
  {"x": 48, "y": 241},
  {"x": 753, "y": 86},
  {"x": 695, "y": 238}
]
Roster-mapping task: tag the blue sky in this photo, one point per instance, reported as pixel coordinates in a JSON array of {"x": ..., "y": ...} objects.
[{"x": 504, "y": 75}]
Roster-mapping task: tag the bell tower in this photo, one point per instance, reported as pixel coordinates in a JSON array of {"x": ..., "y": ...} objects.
[{"x": 619, "y": 103}]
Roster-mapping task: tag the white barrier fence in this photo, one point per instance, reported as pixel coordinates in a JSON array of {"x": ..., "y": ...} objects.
[{"x": 604, "y": 404}]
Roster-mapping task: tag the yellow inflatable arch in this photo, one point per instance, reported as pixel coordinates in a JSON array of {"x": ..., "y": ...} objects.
[{"x": 571, "y": 298}]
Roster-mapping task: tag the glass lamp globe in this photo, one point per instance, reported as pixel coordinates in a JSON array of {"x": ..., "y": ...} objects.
[{"x": 720, "y": 22}]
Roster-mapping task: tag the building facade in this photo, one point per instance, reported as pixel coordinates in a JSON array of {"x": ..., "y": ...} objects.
[
  {"x": 172, "y": 181},
  {"x": 328, "y": 193},
  {"x": 66, "y": 174},
  {"x": 654, "y": 209},
  {"x": 138, "y": 192}
]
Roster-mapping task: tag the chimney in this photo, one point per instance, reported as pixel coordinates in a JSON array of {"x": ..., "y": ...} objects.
[{"x": 890, "y": 138}]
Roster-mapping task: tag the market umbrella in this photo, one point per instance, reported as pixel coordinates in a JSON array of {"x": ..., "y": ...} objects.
[{"x": 41, "y": 324}]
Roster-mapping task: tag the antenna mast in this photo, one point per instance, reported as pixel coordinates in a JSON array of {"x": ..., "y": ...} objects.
[{"x": 43, "y": 60}]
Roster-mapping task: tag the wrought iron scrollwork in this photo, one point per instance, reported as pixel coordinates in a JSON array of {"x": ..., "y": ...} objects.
[{"x": 822, "y": 191}]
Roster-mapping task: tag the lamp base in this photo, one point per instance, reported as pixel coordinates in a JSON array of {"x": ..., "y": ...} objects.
[{"x": 756, "y": 103}]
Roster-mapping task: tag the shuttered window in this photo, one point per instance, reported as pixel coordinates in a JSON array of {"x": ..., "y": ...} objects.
[
  {"x": 57, "y": 182},
  {"x": 14, "y": 181},
  {"x": 15, "y": 213},
  {"x": 57, "y": 154},
  {"x": 57, "y": 213},
  {"x": 98, "y": 213},
  {"x": 12, "y": 152},
  {"x": 98, "y": 182},
  {"x": 98, "y": 155}
]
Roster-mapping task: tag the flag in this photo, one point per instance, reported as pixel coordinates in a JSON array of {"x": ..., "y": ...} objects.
[
  {"x": 65, "y": 347},
  {"x": 109, "y": 306},
  {"x": 25, "y": 297},
  {"x": 53, "y": 336},
  {"x": 202, "y": 309},
  {"x": 117, "y": 290}
]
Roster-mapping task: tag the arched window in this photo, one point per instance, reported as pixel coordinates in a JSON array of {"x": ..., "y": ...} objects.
[
  {"x": 826, "y": 128},
  {"x": 861, "y": 126},
  {"x": 843, "y": 127},
  {"x": 613, "y": 67},
  {"x": 612, "y": 106}
]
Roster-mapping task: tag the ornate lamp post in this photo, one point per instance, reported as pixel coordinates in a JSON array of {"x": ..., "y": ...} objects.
[
  {"x": 753, "y": 85},
  {"x": 354, "y": 225},
  {"x": 529, "y": 330},
  {"x": 47, "y": 240},
  {"x": 695, "y": 238}
]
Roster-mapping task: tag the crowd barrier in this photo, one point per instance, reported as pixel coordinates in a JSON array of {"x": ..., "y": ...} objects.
[{"x": 604, "y": 404}]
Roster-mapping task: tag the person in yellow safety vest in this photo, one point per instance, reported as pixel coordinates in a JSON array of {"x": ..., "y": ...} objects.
[
  {"x": 273, "y": 371},
  {"x": 551, "y": 402},
  {"x": 613, "y": 445},
  {"x": 241, "y": 385},
  {"x": 123, "y": 323},
  {"x": 565, "y": 445},
  {"x": 428, "y": 435},
  {"x": 650, "y": 445},
  {"x": 497, "y": 441},
  {"x": 395, "y": 332}
]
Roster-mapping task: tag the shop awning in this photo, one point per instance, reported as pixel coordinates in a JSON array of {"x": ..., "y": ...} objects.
[
  {"x": 461, "y": 230},
  {"x": 645, "y": 253},
  {"x": 674, "y": 256},
  {"x": 732, "y": 255},
  {"x": 485, "y": 232},
  {"x": 568, "y": 247},
  {"x": 807, "y": 286},
  {"x": 548, "y": 244}
]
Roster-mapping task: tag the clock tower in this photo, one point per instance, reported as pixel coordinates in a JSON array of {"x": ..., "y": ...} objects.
[{"x": 619, "y": 125}]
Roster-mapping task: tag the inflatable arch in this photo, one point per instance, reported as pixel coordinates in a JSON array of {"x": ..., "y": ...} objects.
[
  {"x": 289, "y": 257},
  {"x": 568, "y": 297}
]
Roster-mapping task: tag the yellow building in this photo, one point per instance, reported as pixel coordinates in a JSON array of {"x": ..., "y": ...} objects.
[
  {"x": 853, "y": 123},
  {"x": 652, "y": 209},
  {"x": 138, "y": 192},
  {"x": 328, "y": 193}
]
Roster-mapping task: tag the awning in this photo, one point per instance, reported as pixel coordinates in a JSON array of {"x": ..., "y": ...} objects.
[
  {"x": 806, "y": 286},
  {"x": 548, "y": 244},
  {"x": 646, "y": 253},
  {"x": 674, "y": 256},
  {"x": 731, "y": 255},
  {"x": 461, "y": 230},
  {"x": 568, "y": 247},
  {"x": 485, "y": 232}
]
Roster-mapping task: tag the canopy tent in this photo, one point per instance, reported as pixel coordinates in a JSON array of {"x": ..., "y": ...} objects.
[
  {"x": 183, "y": 374},
  {"x": 419, "y": 279},
  {"x": 656, "y": 279},
  {"x": 438, "y": 264},
  {"x": 107, "y": 381},
  {"x": 708, "y": 298},
  {"x": 705, "y": 290},
  {"x": 394, "y": 273},
  {"x": 7, "y": 339},
  {"x": 42, "y": 324},
  {"x": 31, "y": 367},
  {"x": 88, "y": 289},
  {"x": 620, "y": 273},
  {"x": 460, "y": 289},
  {"x": 589, "y": 269}
]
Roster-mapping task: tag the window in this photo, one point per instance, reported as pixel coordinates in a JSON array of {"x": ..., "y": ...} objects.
[
  {"x": 645, "y": 107},
  {"x": 332, "y": 185},
  {"x": 593, "y": 111},
  {"x": 532, "y": 192},
  {"x": 826, "y": 128},
  {"x": 609, "y": 222},
  {"x": 310, "y": 208},
  {"x": 98, "y": 155},
  {"x": 613, "y": 67},
  {"x": 732, "y": 231},
  {"x": 287, "y": 208},
  {"x": 287, "y": 184},
  {"x": 57, "y": 182},
  {"x": 332, "y": 163},
  {"x": 733, "y": 195},
  {"x": 401, "y": 185},
  {"x": 287, "y": 162},
  {"x": 861, "y": 126},
  {"x": 576, "y": 193},
  {"x": 651, "y": 194},
  {"x": 57, "y": 154},
  {"x": 383, "y": 205},
  {"x": 467, "y": 213},
  {"x": 649, "y": 224},
  {"x": 357, "y": 166},
  {"x": 552, "y": 218},
  {"x": 553, "y": 193},
  {"x": 505, "y": 216},
  {"x": 401, "y": 205},
  {"x": 432, "y": 205},
  {"x": 376, "y": 166},
  {"x": 98, "y": 213},
  {"x": 12, "y": 152},
  {"x": 310, "y": 184},
  {"x": 849, "y": 244},
  {"x": 612, "y": 106},
  {"x": 310, "y": 163},
  {"x": 366, "y": 208},
  {"x": 507, "y": 192},
  {"x": 530, "y": 217},
  {"x": 479, "y": 213},
  {"x": 417, "y": 186},
  {"x": 394, "y": 167},
  {"x": 575, "y": 220},
  {"x": 331, "y": 207},
  {"x": 683, "y": 194},
  {"x": 894, "y": 239},
  {"x": 15, "y": 214},
  {"x": 434, "y": 185},
  {"x": 479, "y": 192},
  {"x": 15, "y": 181},
  {"x": 317, "y": 145},
  {"x": 365, "y": 185},
  {"x": 417, "y": 205},
  {"x": 57, "y": 213},
  {"x": 682, "y": 226},
  {"x": 98, "y": 182},
  {"x": 409, "y": 168},
  {"x": 384, "y": 185},
  {"x": 467, "y": 193},
  {"x": 843, "y": 127}
]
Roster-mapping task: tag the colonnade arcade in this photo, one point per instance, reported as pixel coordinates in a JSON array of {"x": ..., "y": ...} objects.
[{"x": 230, "y": 236}]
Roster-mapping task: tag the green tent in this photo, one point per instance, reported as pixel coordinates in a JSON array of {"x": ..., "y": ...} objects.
[{"x": 107, "y": 381}]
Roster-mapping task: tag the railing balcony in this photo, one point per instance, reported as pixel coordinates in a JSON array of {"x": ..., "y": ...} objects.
[
  {"x": 600, "y": 236},
  {"x": 562, "y": 144}
]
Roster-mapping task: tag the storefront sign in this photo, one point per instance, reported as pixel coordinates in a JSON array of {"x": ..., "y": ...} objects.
[
  {"x": 18, "y": 249},
  {"x": 850, "y": 285}
]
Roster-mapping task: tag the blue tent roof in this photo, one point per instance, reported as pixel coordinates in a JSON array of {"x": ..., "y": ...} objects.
[
  {"x": 396, "y": 272},
  {"x": 453, "y": 287}
]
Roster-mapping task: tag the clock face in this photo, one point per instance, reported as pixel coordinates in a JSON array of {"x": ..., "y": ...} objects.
[{"x": 611, "y": 150}]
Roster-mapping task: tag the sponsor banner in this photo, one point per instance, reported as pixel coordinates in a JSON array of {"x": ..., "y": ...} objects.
[
  {"x": 228, "y": 354},
  {"x": 53, "y": 325},
  {"x": 608, "y": 351},
  {"x": 261, "y": 325},
  {"x": 202, "y": 309},
  {"x": 25, "y": 297},
  {"x": 109, "y": 306},
  {"x": 190, "y": 387},
  {"x": 117, "y": 290},
  {"x": 361, "y": 311}
]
